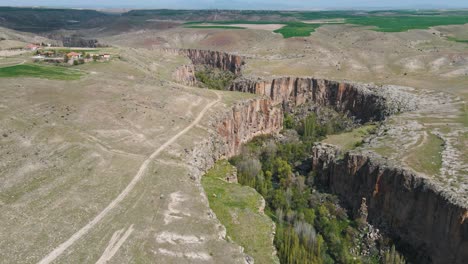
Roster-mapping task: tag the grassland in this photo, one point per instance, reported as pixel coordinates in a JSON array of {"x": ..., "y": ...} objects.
[
  {"x": 427, "y": 157},
  {"x": 290, "y": 29},
  {"x": 39, "y": 71},
  {"x": 297, "y": 29},
  {"x": 383, "y": 21},
  {"x": 401, "y": 23},
  {"x": 349, "y": 140},
  {"x": 237, "y": 207},
  {"x": 458, "y": 40}
]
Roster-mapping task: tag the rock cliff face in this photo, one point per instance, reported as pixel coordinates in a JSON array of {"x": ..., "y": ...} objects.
[
  {"x": 418, "y": 214},
  {"x": 217, "y": 59},
  {"x": 238, "y": 125},
  {"x": 185, "y": 75},
  {"x": 364, "y": 102},
  {"x": 415, "y": 212}
]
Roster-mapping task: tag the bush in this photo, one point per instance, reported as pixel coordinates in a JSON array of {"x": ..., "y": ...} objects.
[
  {"x": 393, "y": 257},
  {"x": 288, "y": 122},
  {"x": 214, "y": 78},
  {"x": 249, "y": 170}
]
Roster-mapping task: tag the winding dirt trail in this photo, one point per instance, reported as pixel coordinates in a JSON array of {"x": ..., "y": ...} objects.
[{"x": 85, "y": 229}]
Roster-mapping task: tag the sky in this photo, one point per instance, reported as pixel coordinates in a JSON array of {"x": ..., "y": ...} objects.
[{"x": 243, "y": 4}]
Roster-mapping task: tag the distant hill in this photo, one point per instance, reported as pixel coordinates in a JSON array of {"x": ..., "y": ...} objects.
[{"x": 48, "y": 19}]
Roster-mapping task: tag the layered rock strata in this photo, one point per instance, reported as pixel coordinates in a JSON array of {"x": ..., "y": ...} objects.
[
  {"x": 365, "y": 102},
  {"x": 217, "y": 59},
  {"x": 415, "y": 212},
  {"x": 238, "y": 125},
  {"x": 185, "y": 74}
]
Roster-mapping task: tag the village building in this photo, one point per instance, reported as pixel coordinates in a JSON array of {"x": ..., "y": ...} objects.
[
  {"x": 33, "y": 47},
  {"x": 73, "y": 55}
]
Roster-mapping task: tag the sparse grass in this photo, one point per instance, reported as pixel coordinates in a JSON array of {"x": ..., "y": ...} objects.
[
  {"x": 427, "y": 158},
  {"x": 457, "y": 40},
  {"x": 237, "y": 207},
  {"x": 290, "y": 29},
  {"x": 216, "y": 27},
  {"x": 349, "y": 140},
  {"x": 39, "y": 71},
  {"x": 232, "y": 22},
  {"x": 66, "y": 50}
]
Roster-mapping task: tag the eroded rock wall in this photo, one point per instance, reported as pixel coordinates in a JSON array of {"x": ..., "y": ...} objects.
[
  {"x": 221, "y": 60},
  {"x": 406, "y": 205},
  {"x": 363, "y": 101},
  {"x": 185, "y": 74},
  {"x": 217, "y": 59},
  {"x": 239, "y": 124}
]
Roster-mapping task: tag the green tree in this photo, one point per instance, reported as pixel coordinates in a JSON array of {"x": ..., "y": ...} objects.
[{"x": 393, "y": 257}]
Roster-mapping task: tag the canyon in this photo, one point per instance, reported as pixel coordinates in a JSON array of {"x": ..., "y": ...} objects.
[
  {"x": 423, "y": 218},
  {"x": 355, "y": 118}
]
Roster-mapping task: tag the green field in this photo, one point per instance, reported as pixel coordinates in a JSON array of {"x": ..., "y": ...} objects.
[
  {"x": 39, "y": 71},
  {"x": 297, "y": 29},
  {"x": 383, "y": 21},
  {"x": 405, "y": 23},
  {"x": 237, "y": 207},
  {"x": 290, "y": 29}
]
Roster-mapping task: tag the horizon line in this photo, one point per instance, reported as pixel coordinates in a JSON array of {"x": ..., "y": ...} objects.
[{"x": 239, "y": 9}]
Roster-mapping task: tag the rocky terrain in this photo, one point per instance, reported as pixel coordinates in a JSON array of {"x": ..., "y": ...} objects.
[
  {"x": 362, "y": 101},
  {"x": 395, "y": 195},
  {"x": 420, "y": 215},
  {"x": 107, "y": 167},
  {"x": 185, "y": 74},
  {"x": 222, "y": 60}
]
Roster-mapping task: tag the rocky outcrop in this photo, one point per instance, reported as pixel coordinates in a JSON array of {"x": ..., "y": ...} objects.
[
  {"x": 216, "y": 59},
  {"x": 228, "y": 131},
  {"x": 185, "y": 75},
  {"x": 365, "y": 102},
  {"x": 422, "y": 217},
  {"x": 238, "y": 125},
  {"x": 248, "y": 120},
  {"x": 412, "y": 210}
]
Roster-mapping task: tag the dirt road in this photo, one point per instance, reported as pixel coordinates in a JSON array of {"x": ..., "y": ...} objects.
[{"x": 84, "y": 230}]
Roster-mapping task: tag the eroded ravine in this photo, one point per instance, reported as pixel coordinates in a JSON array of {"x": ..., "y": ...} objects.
[{"x": 414, "y": 210}]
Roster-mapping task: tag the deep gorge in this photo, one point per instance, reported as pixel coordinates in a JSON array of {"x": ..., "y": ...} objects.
[{"x": 419, "y": 216}]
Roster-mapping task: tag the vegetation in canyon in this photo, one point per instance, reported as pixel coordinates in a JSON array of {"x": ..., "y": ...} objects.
[
  {"x": 213, "y": 78},
  {"x": 312, "y": 227},
  {"x": 239, "y": 208}
]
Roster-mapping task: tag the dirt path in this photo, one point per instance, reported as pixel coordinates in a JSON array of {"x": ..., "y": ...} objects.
[
  {"x": 417, "y": 145},
  {"x": 84, "y": 230},
  {"x": 115, "y": 243}
]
